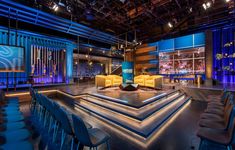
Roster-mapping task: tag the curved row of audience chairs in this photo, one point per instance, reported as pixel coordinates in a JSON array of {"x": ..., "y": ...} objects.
[
  {"x": 217, "y": 123},
  {"x": 13, "y": 132},
  {"x": 62, "y": 126}
]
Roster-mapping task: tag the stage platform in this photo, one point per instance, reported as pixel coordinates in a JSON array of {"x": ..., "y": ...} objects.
[
  {"x": 139, "y": 113},
  {"x": 136, "y": 99}
]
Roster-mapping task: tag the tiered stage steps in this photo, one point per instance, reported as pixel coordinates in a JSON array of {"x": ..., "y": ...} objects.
[{"x": 143, "y": 119}]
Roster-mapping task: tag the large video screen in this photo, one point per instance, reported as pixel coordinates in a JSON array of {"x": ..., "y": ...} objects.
[
  {"x": 190, "y": 61},
  {"x": 12, "y": 59}
]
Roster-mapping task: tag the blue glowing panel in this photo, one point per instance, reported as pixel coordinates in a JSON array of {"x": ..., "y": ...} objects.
[
  {"x": 199, "y": 39},
  {"x": 127, "y": 72},
  {"x": 184, "y": 42},
  {"x": 166, "y": 45},
  {"x": 11, "y": 59}
]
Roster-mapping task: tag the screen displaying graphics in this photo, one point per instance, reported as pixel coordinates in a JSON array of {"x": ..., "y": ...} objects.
[
  {"x": 190, "y": 61},
  {"x": 11, "y": 59}
]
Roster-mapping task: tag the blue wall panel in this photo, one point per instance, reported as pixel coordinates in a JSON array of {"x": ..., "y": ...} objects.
[
  {"x": 166, "y": 45},
  {"x": 184, "y": 42},
  {"x": 188, "y": 41},
  {"x": 199, "y": 39},
  {"x": 26, "y": 39}
]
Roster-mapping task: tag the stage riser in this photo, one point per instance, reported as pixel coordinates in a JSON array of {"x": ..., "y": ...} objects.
[
  {"x": 143, "y": 128},
  {"x": 137, "y": 114}
]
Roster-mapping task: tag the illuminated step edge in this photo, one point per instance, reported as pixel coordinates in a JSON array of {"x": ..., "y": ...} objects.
[
  {"x": 138, "y": 114},
  {"x": 143, "y": 132},
  {"x": 124, "y": 102}
]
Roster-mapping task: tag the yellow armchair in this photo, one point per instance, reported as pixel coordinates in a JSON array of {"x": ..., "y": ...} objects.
[
  {"x": 102, "y": 81},
  {"x": 116, "y": 80},
  {"x": 140, "y": 79},
  {"x": 155, "y": 81}
]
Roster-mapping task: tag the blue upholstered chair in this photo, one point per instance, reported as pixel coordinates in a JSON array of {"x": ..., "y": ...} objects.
[
  {"x": 21, "y": 145},
  {"x": 89, "y": 137},
  {"x": 15, "y": 135},
  {"x": 13, "y": 125}
]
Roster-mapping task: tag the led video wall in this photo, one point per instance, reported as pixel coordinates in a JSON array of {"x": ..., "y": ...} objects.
[
  {"x": 47, "y": 64},
  {"x": 11, "y": 59},
  {"x": 190, "y": 61}
]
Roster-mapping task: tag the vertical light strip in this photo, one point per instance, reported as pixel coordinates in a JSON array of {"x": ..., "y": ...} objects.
[{"x": 193, "y": 41}]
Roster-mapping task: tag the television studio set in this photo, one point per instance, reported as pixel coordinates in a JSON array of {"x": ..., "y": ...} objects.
[{"x": 117, "y": 74}]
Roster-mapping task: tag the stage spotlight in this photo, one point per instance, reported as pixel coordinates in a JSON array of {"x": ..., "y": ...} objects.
[
  {"x": 55, "y": 7},
  {"x": 208, "y": 4},
  {"x": 61, "y": 4},
  {"x": 227, "y": 1},
  {"x": 170, "y": 24},
  {"x": 204, "y": 6}
]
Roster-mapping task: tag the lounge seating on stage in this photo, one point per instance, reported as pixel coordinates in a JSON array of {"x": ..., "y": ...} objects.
[
  {"x": 140, "y": 79},
  {"x": 154, "y": 81},
  {"x": 102, "y": 81},
  {"x": 116, "y": 80},
  {"x": 106, "y": 81}
]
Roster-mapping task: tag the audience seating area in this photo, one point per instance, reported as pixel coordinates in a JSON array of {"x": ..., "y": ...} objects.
[
  {"x": 13, "y": 132},
  {"x": 216, "y": 125},
  {"x": 64, "y": 129}
]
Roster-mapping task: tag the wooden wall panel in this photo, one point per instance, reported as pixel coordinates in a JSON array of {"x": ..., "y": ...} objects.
[{"x": 142, "y": 58}]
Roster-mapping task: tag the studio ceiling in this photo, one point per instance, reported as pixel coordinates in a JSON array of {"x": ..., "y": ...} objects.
[{"x": 149, "y": 18}]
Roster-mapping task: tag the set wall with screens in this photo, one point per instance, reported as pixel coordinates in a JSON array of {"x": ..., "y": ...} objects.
[
  {"x": 12, "y": 58},
  {"x": 181, "y": 55}
]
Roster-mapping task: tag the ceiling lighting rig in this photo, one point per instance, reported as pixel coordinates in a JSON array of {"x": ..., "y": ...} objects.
[
  {"x": 206, "y": 5},
  {"x": 55, "y": 6}
]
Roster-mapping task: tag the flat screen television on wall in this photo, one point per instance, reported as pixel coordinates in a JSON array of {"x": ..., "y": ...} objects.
[{"x": 12, "y": 58}]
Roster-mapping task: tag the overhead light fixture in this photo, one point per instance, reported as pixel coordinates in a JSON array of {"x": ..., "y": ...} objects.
[
  {"x": 61, "y": 4},
  {"x": 86, "y": 56},
  {"x": 227, "y": 1},
  {"x": 123, "y": 1},
  {"x": 170, "y": 25},
  {"x": 206, "y": 5},
  {"x": 190, "y": 9},
  {"x": 103, "y": 52},
  {"x": 90, "y": 49},
  {"x": 55, "y": 7}
]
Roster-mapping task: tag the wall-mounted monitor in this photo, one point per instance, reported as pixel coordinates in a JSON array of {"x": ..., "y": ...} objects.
[{"x": 12, "y": 58}]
